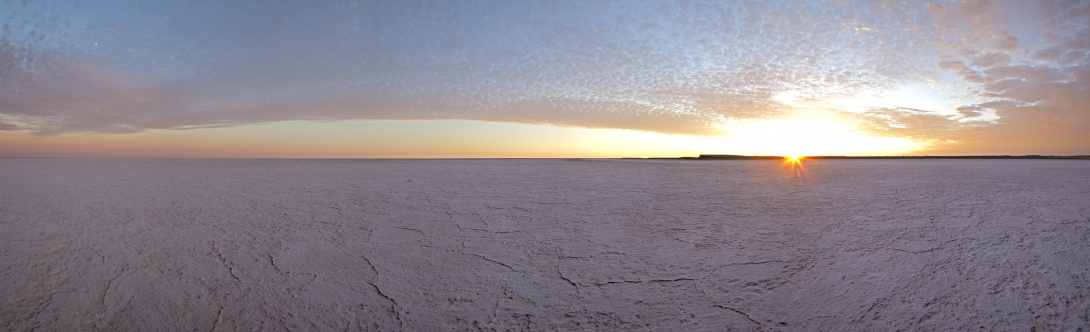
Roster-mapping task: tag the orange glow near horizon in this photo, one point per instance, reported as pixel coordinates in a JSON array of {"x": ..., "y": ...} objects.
[
  {"x": 447, "y": 139},
  {"x": 364, "y": 139}
]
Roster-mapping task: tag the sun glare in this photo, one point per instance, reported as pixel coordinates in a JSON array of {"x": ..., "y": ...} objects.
[
  {"x": 793, "y": 161},
  {"x": 799, "y": 138}
]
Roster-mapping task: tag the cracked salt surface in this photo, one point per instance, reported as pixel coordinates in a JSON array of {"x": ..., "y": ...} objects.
[{"x": 544, "y": 245}]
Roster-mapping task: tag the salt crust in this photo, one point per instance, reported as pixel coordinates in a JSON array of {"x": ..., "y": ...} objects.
[{"x": 424, "y": 245}]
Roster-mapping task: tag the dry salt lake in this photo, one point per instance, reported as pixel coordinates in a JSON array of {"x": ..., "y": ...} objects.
[{"x": 426, "y": 245}]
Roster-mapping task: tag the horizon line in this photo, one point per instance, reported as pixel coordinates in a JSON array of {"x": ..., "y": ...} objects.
[{"x": 700, "y": 157}]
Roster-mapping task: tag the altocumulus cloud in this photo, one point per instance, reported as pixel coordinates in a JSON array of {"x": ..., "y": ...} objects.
[{"x": 682, "y": 67}]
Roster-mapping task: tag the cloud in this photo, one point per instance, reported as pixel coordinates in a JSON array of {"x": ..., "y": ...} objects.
[
  {"x": 987, "y": 60},
  {"x": 684, "y": 68},
  {"x": 1048, "y": 54},
  {"x": 965, "y": 72},
  {"x": 1006, "y": 42},
  {"x": 971, "y": 111}
]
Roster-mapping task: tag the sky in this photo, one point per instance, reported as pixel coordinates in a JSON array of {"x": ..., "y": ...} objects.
[{"x": 453, "y": 79}]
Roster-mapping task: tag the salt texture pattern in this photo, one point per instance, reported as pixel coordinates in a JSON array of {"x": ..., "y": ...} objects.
[{"x": 544, "y": 245}]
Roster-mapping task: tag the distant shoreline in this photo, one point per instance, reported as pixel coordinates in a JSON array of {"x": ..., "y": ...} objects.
[
  {"x": 740, "y": 157},
  {"x": 701, "y": 157}
]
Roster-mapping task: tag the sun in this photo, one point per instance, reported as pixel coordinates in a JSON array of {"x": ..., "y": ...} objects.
[{"x": 795, "y": 161}]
